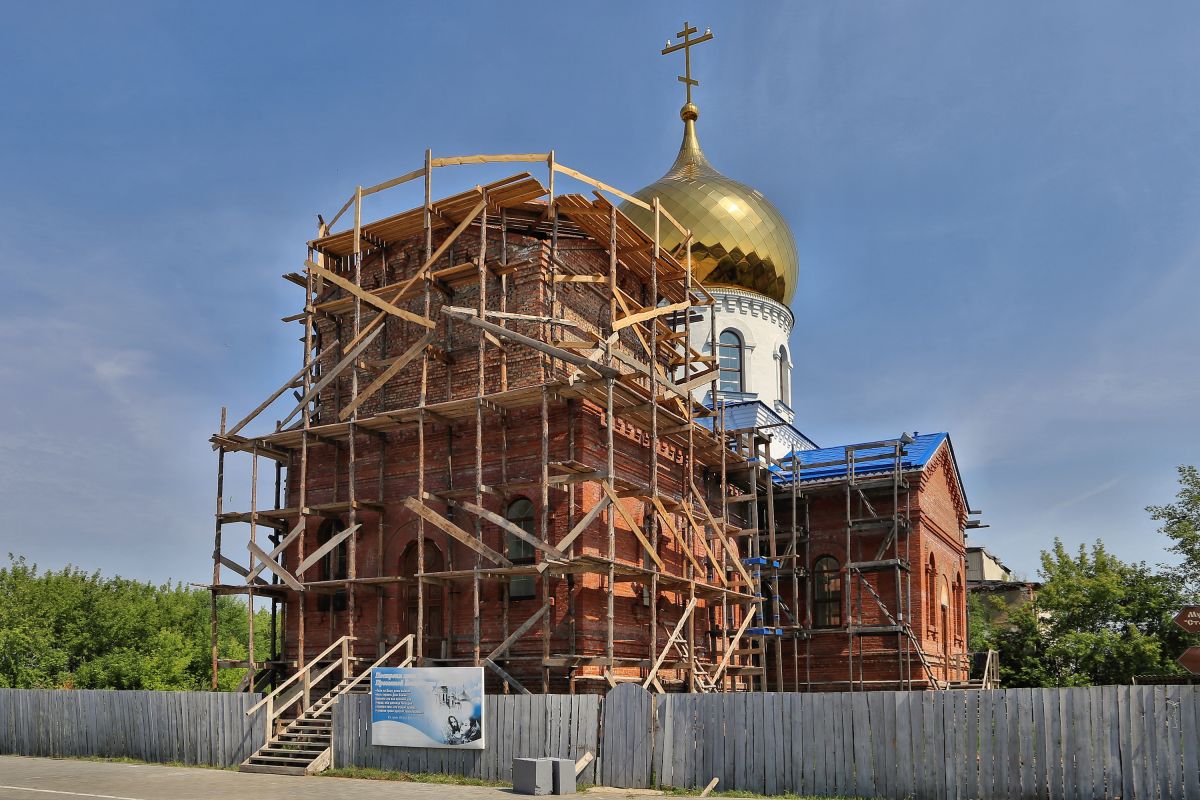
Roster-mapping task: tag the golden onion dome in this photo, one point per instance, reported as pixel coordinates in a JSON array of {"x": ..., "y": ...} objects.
[{"x": 738, "y": 237}]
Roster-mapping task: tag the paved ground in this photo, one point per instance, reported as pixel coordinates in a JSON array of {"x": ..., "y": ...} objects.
[{"x": 24, "y": 778}]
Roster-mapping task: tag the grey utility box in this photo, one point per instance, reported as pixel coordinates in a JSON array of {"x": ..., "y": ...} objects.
[
  {"x": 532, "y": 776},
  {"x": 563, "y": 770}
]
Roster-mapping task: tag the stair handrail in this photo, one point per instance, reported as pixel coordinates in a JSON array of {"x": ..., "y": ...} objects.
[
  {"x": 338, "y": 692},
  {"x": 269, "y": 700},
  {"x": 991, "y": 670}
]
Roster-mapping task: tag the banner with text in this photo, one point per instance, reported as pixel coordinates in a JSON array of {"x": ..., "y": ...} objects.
[{"x": 427, "y": 707}]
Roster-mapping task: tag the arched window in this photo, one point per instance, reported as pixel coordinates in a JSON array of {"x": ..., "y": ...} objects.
[
  {"x": 335, "y": 566},
  {"x": 959, "y": 610},
  {"x": 785, "y": 377},
  {"x": 731, "y": 356},
  {"x": 434, "y": 626},
  {"x": 931, "y": 598},
  {"x": 519, "y": 551},
  {"x": 827, "y": 593}
]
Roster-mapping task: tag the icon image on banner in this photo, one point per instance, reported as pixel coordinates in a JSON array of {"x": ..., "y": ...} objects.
[{"x": 427, "y": 707}]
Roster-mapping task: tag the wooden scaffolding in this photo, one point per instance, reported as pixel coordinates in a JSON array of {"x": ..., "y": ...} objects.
[{"x": 637, "y": 364}]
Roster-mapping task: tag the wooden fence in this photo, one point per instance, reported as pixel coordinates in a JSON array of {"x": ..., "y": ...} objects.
[
  {"x": 1131, "y": 742},
  {"x": 187, "y": 727},
  {"x": 1058, "y": 744},
  {"x": 514, "y": 726}
]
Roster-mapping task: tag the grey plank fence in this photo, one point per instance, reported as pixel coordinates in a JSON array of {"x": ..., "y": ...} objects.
[
  {"x": 515, "y": 726},
  {"x": 1053, "y": 744},
  {"x": 1057, "y": 744},
  {"x": 188, "y": 727}
]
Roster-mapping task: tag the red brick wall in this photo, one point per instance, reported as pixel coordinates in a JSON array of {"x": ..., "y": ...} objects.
[{"x": 383, "y": 613}]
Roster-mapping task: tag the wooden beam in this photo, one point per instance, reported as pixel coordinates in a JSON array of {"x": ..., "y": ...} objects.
[
  {"x": 687, "y": 551},
  {"x": 518, "y": 633},
  {"x": 536, "y": 344},
  {"x": 429, "y": 262},
  {"x": 716, "y": 676},
  {"x": 509, "y": 679},
  {"x": 720, "y": 531},
  {"x": 369, "y": 297},
  {"x": 645, "y": 371},
  {"x": 687, "y": 612},
  {"x": 290, "y": 383},
  {"x": 510, "y": 527},
  {"x": 581, "y": 526},
  {"x": 708, "y": 551},
  {"x": 400, "y": 363},
  {"x": 579, "y": 176},
  {"x": 346, "y": 361},
  {"x": 321, "y": 551},
  {"x": 455, "y": 532},
  {"x": 524, "y": 158},
  {"x": 279, "y": 548},
  {"x": 573, "y": 278},
  {"x": 650, "y": 313},
  {"x": 405, "y": 178},
  {"x": 698, "y": 379},
  {"x": 637, "y": 531},
  {"x": 283, "y": 574}
]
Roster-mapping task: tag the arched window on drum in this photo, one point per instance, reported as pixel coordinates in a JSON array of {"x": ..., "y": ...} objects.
[
  {"x": 785, "y": 377},
  {"x": 731, "y": 355}
]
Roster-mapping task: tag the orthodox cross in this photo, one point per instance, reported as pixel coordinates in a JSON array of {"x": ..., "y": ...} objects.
[{"x": 686, "y": 46}]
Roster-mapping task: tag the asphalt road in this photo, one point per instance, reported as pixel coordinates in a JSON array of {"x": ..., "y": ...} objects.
[{"x": 24, "y": 778}]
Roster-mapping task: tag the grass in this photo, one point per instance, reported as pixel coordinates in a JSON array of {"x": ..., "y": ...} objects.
[
  {"x": 673, "y": 792},
  {"x": 365, "y": 773},
  {"x": 127, "y": 760}
]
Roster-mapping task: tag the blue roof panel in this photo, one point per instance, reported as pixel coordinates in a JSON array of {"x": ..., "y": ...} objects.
[{"x": 916, "y": 456}]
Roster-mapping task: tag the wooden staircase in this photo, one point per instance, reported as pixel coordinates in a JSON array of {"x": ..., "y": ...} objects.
[
  {"x": 304, "y": 745},
  {"x": 988, "y": 678}
]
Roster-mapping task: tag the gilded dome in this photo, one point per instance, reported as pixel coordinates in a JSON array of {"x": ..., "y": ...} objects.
[{"x": 738, "y": 237}]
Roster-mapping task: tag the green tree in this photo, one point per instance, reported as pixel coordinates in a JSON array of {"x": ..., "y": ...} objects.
[
  {"x": 1097, "y": 620},
  {"x": 1181, "y": 523},
  {"x": 75, "y": 629},
  {"x": 986, "y": 619}
]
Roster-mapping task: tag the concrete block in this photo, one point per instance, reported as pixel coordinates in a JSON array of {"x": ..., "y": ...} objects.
[
  {"x": 563, "y": 771},
  {"x": 532, "y": 776}
]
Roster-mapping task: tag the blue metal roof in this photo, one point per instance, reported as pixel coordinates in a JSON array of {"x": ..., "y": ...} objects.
[{"x": 874, "y": 460}]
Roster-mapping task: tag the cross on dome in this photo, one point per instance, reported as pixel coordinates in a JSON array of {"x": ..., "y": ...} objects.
[{"x": 686, "y": 46}]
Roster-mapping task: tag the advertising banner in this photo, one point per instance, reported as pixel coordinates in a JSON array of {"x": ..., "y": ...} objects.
[{"x": 427, "y": 707}]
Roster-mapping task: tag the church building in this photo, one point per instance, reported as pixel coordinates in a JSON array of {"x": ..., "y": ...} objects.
[{"x": 546, "y": 427}]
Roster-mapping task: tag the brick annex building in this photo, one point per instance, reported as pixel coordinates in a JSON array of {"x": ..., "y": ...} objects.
[{"x": 552, "y": 435}]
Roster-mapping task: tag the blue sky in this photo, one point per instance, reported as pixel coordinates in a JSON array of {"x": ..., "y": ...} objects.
[{"x": 995, "y": 204}]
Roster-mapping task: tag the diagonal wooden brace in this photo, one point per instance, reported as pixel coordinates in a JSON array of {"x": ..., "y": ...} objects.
[
  {"x": 510, "y": 527},
  {"x": 675, "y": 634},
  {"x": 279, "y": 548},
  {"x": 389, "y": 373},
  {"x": 270, "y": 564},
  {"x": 324, "y": 549},
  {"x": 581, "y": 526},
  {"x": 455, "y": 532},
  {"x": 369, "y": 297},
  {"x": 637, "y": 531}
]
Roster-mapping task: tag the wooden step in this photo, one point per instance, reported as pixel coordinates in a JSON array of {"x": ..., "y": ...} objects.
[
  {"x": 308, "y": 722},
  {"x": 278, "y": 748},
  {"x": 303, "y": 737},
  {"x": 270, "y": 769},
  {"x": 299, "y": 758}
]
